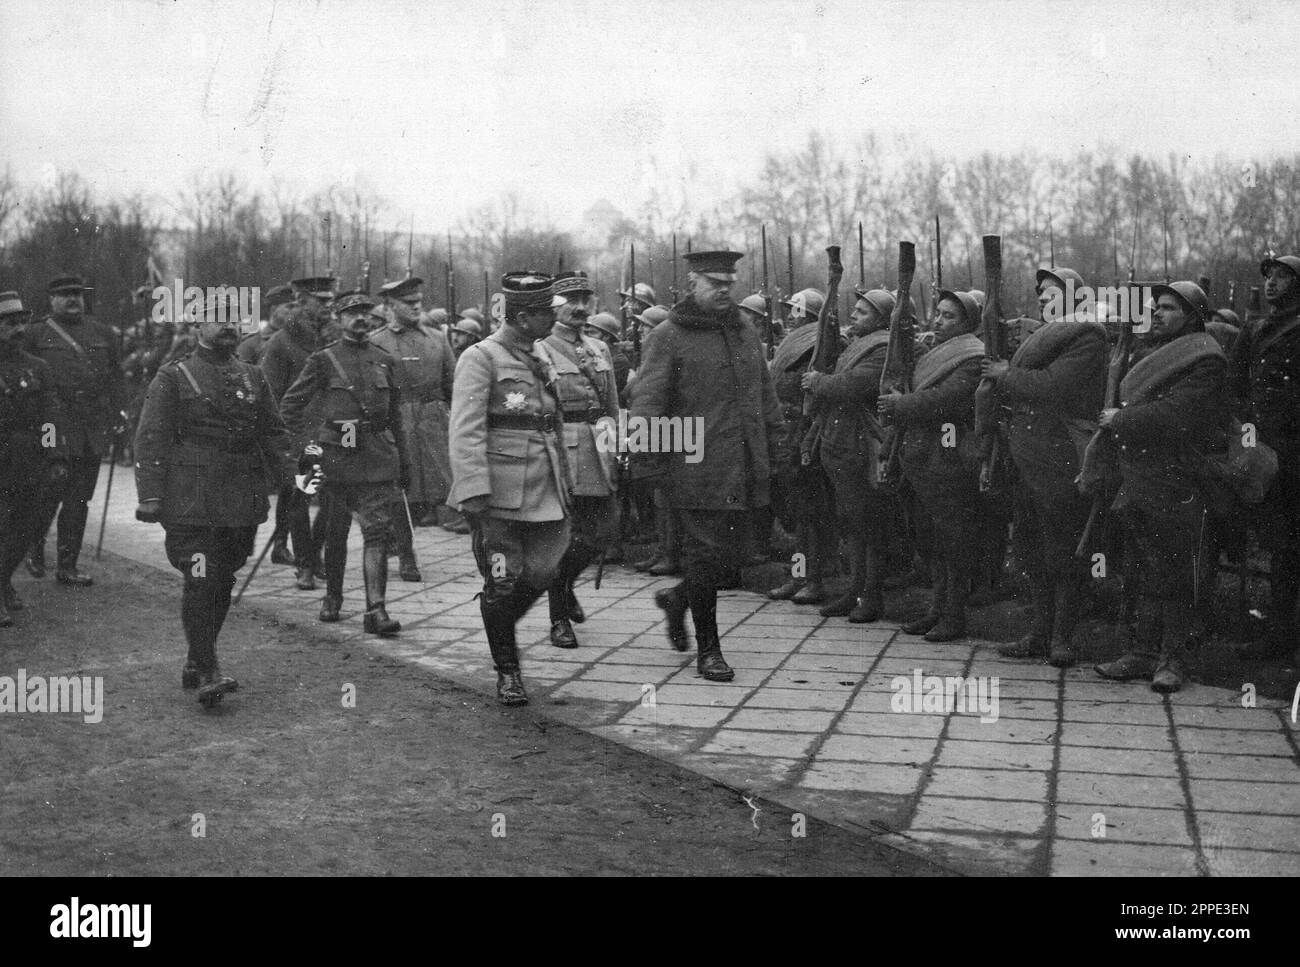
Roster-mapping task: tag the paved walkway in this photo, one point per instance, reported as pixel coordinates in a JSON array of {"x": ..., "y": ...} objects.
[{"x": 1074, "y": 776}]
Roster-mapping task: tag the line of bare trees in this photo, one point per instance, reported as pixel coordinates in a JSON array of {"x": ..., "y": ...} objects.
[{"x": 1098, "y": 212}]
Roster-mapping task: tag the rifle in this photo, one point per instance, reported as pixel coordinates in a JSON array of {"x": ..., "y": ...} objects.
[
  {"x": 487, "y": 294},
  {"x": 1253, "y": 308},
  {"x": 986, "y": 407},
  {"x": 1051, "y": 242},
  {"x": 789, "y": 263},
  {"x": 937, "y": 279},
  {"x": 636, "y": 330},
  {"x": 826, "y": 349},
  {"x": 768, "y": 307},
  {"x": 1232, "y": 295},
  {"x": 410, "y": 245},
  {"x": 672, "y": 289},
  {"x": 1101, "y": 457},
  {"x": 1164, "y": 230},
  {"x": 862, "y": 260},
  {"x": 897, "y": 374},
  {"x": 623, "y": 305},
  {"x": 451, "y": 279}
]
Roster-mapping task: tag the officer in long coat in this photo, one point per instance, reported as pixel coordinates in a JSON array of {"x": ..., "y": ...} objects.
[
  {"x": 1172, "y": 415},
  {"x": 1264, "y": 383},
  {"x": 33, "y": 457},
  {"x": 849, "y": 437},
  {"x": 357, "y": 424},
  {"x": 1054, "y": 385},
  {"x": 210, "y": 448},
  {"x": 82, "y": 354},
  {"x": 706, "y": 365},
  {"x": 588, "y": 397},
  {"x": 939, "y": 458},
  {"x": 424, "y": 369},
  {"x": 509, "y": 472}
]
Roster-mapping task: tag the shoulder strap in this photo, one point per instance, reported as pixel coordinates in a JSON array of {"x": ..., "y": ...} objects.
[
  {"x": 338, "y": 367},
  {"x": 180, "y": 364},
  {"x": 66, "y": 338}
]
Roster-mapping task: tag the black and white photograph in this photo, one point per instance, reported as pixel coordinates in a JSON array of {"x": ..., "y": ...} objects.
[{"x": 652, "y": 438}]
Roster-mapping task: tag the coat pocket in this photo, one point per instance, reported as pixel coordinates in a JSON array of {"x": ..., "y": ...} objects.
[{"x": 507, "y": 470}]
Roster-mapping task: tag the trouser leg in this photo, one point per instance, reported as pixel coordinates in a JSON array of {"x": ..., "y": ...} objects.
[{"x": 83, "y": 474}]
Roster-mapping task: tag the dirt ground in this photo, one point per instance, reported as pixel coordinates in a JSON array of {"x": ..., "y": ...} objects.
[{"x": 288, "y": 781}]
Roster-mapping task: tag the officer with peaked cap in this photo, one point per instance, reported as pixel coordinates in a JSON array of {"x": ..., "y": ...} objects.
[
  {"x": 588, "y": 396},
  {"x": 509, "y": 471},
  {"x": 704, "y": 365},
  {"x": 358, "y": 418},
  {"x": 31, "y": 441},
  {"x": 802, "y": 498},
  {"x": 210, "y": 448},
  {"x": 424, "y": 369},
  {"x": 82, "y": 354},
  {"x": 1264, "y": 383}
]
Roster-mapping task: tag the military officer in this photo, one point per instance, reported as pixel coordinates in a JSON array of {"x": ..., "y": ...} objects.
[
  {"x": 1172, "y": 415},
  {"x": 1054, "y": 384},
  {"x": 849, "y": 437},
  {"x": 278, "y": 303},
  {"x": 704, "y": 364},
  {"x": 424, "y": 370},
  {"x": 210, "y": 448},
  {"x": 802, "y": 499},
  {"x": 286, "y": 354},
  {"x": 588, "y": 394},
  {"x": 33, "y": 457},
  {"x": 358, "y": 424},
  {"x": 82, "y": 354},
  {"x": 509, "y": 472},
  {"x": 1264, "y": 382}
]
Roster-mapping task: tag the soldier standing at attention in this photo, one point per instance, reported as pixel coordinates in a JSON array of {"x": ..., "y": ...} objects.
[
  {"x": 850, "y": 451},
  {"x": 509, "y": 473},
  {"x": 588, "y": 393},
  {"x": 364, "y": 461},
  {"x": 32, "y": 457},
  {"x": 210, "y": 448},
  {"x": 705, "y": 364},
  {"x": 424, "y": 370},
  {"x": 83, "y": 359}
]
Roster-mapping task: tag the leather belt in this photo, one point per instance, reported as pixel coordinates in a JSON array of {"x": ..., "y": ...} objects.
[
  {"x": 541, "y": 422},
  {"x": 222, "y": 443},
  {"x": 583, "y": 416}
]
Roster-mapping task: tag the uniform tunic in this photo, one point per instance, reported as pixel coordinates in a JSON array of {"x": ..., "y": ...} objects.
[{"x": 30, "y": 416}]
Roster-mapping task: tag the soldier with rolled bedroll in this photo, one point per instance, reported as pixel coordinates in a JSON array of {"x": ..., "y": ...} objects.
[
  {"x": 210, "y": 448},
  {"x": 509, "y": 472}
]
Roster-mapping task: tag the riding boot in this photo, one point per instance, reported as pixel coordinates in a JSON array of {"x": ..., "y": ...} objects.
[
  {"x": 871, "y": 603},
  {"x": 557, "y": 599},
  {"x": 500, "y": 612},
  {"x": 374, "y": 563},
  {"x": 674, "y": 603},
  {"x": 952, "y": 622},
  {"x": 709, "y": 662}
]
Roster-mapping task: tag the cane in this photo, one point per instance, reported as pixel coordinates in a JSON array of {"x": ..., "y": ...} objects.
[
  {"x": 410, "y": 522},
  {"x": 256, "y": 564},
  {"x": 108, "y": 494}
]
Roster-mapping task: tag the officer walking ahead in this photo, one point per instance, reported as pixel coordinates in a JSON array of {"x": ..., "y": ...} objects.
[
  {"x": 705, "y": 364},
  {"x": 209, "y": 450},
  {"x": 31, "y": 455},
  {"x": 364, "y": 460},
  {"x": 509, "y": 472},
  {"x": 83, "y": 357}
]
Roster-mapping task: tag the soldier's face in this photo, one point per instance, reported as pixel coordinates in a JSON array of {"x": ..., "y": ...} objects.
[
  {"x": 1169, "y": 318},
  {"x": 279, "y": 316},
  {"x": 67, "y": 305},
  {"x": 864, "y": 318},
  {"x": 406, "y": 310},
  {"x": 576, "y": 309},
  {"x": 460, "y": 340},
  {"x": 12, "y": 328},
  {"x": 710, "y": 293},
  {"x": 1280, "y": 284},
  {"x": 952, "y": 320},
  {"x": 223, "y": 332},
  {"x": 315, "y": 309},
  {"x": 1047, "y": 292},
  {"x": 593, "y": 333},
  {"x": 356, "y": 325}
]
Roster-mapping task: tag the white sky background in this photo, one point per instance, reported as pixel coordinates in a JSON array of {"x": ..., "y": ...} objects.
[{"x": 445, "y": 104}]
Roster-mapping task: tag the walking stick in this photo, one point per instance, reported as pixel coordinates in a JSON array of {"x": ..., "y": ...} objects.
[
  {"x": 256, "y": 564},
  {"x": 108, "y": 494},
  {"x": 410, "y": 522}
]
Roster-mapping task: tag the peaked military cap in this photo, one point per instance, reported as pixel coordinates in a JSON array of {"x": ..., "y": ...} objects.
[
  {"x": 353, "y": 302},
  {"x": 11, "y": 305},
  {"x": 402, "y": 287},
  {"x": 719, "y": 265},
  {"x": 567, "y": 282},
  {"x": 278, "y": 295},
  {"x": 67, "y": 283},
  {"x": 320, "y": 286},
  {"x": 529, "y": 291}
]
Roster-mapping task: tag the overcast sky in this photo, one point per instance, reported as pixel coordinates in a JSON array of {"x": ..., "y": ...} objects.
[{"x": 443, "y": 104}]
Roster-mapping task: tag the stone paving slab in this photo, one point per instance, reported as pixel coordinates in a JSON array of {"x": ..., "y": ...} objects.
[{"x": 1073, "y": 776}]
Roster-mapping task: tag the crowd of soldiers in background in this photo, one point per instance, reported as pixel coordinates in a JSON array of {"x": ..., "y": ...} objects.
[{"x": 939, "y": 528}]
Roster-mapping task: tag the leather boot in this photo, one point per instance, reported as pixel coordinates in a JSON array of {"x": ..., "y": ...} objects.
[
  {"x": 407, "y": 568},
  {"x": 213, "y": 686},
  {"x": 668, "y": 567},
  {"x": 704, "y": 612},
  {"x": 305, "y": 578},
  {"x": 374, "y": 563},
  {"x": 1171, "y": 669},
  {"x": 280, "y": 550},
  {"x": 871, "y": 604},
  {"x": 674, "y": 602},
  {"x": 36, "y": 559},
  {"x": 846, "y": 602},
  {"x": 1066, "y": 601},
  {"x": 1142, "y": 660},
  {"x": 189, "y": 676},
  {"x": 557, "y": 599},
  {"x": 562, "y": 635},
  {"x": 787, "y": 590},
  {"x": 71, "y": 576},
  {"x": 952, "y": 623},
  {"x": 938, "y": 597},
  {"x": 1037, "y": 641},
  {"x": 329, "y": 608},
  {"x": 500, "y": 612}
]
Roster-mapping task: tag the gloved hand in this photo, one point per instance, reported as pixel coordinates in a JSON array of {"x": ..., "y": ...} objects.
[
  {"x": 149, "y": 511},
  {"x": 309, "y": 483}
]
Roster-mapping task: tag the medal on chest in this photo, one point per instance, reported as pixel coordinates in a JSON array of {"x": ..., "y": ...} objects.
[{"x": 516, "y": 402}]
